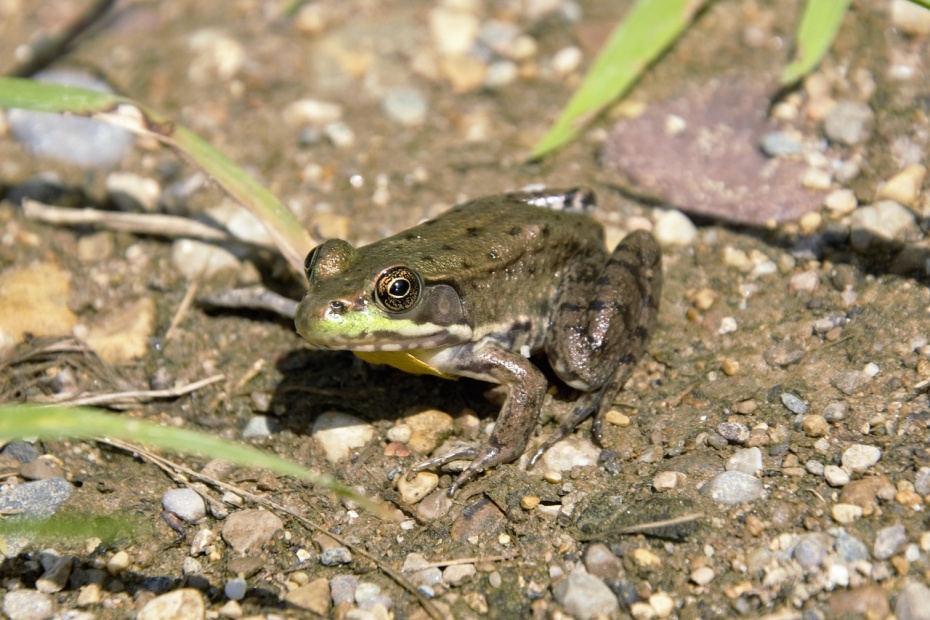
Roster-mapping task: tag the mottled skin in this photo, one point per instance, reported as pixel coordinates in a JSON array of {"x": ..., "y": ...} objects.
[{"x": 476, "y": 290}]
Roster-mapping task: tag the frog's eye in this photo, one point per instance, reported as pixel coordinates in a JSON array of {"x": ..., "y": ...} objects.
[
  {"x": 311, "y": 258},
  {"x": 397, "y": 289}
]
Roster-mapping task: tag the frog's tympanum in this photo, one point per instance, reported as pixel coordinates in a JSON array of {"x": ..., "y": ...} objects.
[{"x": 482, "y": 287}]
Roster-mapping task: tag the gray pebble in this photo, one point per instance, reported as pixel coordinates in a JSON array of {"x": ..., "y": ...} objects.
[
  {"x": 734, "y": 432},
  {"x": 850, "y": 122},
  {"x": 342, "y": 588},
  {"x": 879, "y": 223},
  {"x": 847, "y": 382},
  {"x": 783, "y": 354},
  {"x": 887, "y": 541},
  {"x": 835, "y": 476},
  {"x": 810, "y": 553},
  {"x": 733, "y": 487},
  {"x": 39, "y": 499},
  {"x": 28, "y": 605},
  {"x": 22, "y": 451},
  {"x": 260, "y": 426},
  {"x": 793, "y": 403},
  {"x": 814, "y": 467},
  {"x": 835, "y": 411},
  {"x": 747, "y": 461},
  {"x": 849, "y": 548},
  {"x": 334, "y": 556},
  {"x": 586, "y": 596},
  {"x": 185, "y": 503},
  {"x": 913, "y": 603},
  {"x": 860, "y": 457},
  {"x": 458, "y": 574},
  {"x": 248, "y": 531},
  {"x": 779, "y": 143},
  {"x": 602, "y": 562},
  {"x": 80, "y": 141},
  {"x": 366, "y": 591},
  {"x": 407, "y": 106},
  {"x": 235, "y": 589},
  {"x": 922, "y": 481}
]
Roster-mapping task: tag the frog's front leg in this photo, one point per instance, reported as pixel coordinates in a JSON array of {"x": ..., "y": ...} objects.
[{"x": 491, "y": 362}]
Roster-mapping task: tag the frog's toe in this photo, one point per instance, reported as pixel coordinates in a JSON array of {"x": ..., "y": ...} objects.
[
  {"x": 462, "y": 454},
  {"x": 486, "y": 458}
]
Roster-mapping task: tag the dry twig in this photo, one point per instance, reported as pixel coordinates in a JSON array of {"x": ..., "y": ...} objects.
[{"x": 133, "y": 397}]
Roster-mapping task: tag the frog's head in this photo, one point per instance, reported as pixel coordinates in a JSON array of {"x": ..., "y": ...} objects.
[{"x": 359, "y": 301}]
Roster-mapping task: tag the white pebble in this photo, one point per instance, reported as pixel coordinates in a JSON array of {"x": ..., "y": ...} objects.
[
  {"x": 835, "y": 476},
  {"x": 860, "y": 457},
  {"x": 673, "y": 228}
]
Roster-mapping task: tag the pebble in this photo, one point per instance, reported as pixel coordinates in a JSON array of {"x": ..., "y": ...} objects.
[
  {"x": 79, "y": 141},
  {"x": 702, "y": 576},
  {"x": 662, "y": 604},
  {"x": 260, "y": 426},
  {"x": 913, "y": 602},
  {"x": 34, "y": 300},
  {"x": 230, "y": 609},
  {"x": 453, "y": 31},
  {"x": 601, "y": 562},
  {"x": 46, "y": 466},
  {"x": 904, "y": 187},
  {"x": 132, "y": 192},
  {"x": 342, "y": 588},
  {"x": 434, "y": 506},
  {"x": 733, "y": 487},
  {"x": 311, "y": 112},
  {"x": 835, "y": 476},
  {"x": 849, "y": 122},
  {"x": 38, "y": 499},
  {"x": 878, "y": 223},
  {"x": 585, "y": 596},
  {"x": 646, "y": 558},
  {"x": 336, "y": 556},
  {"x": 183, "y": 604},
  {"x": 922, "y": 481},
  {"x": 22, "y": 451},
  {"x": 458, "y": 574},
  {"x": 846, "y": 513},
  {"x": 406, "y": 106},
  {"x": 815, "y": 426},
  {"x": 313, "y": 597},
  {"x": 849, "y": 548},
  {"x": 340, "y": 434},
  {"x": 888, "y": 540},
  {"x": 860, "y": 457},
  {"x": 793, "y": 403},
  {"x": 783, "y": 354},
  {"x": 803, "y": 283},
  {"x": 841, "y": 202},
  {"x": 781, "y": 143},
  {"x": 215, "y": 55},
  {"x": 567, "y": 60},
  {"x": 57, "y": 572},
  {"x": 118, "y": 563},
  {"x": 235, "y": 589},
  {"x": 665, "y": 480},
  {"x": 248, "y": 531},
  {"x": 910, "y": 18},
  {"x": 185, "y": 503},
  {"x": 340, "y": 134},
  {"x": 571, "y": 452},
  {"x": 810, "y": 553},
  {"x": 415, "y": 489},
  {"x": 197, "y": 259},
  {"x": 427, "y": 429},
  {"x": 734, "y": 432},
  {"x": 28, "y": 605},
  {"x": 835, "y": 411},
  {"x": 673, "y": 228},
  {"x": 864, "y": 602},
  {"x": 747, "y": 461}
]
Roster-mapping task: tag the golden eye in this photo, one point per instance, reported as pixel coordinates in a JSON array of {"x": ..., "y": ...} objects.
[{"x": 397, "y": 289}]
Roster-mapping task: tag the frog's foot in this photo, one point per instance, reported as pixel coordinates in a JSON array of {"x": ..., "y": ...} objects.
[
  {"x": 487, "y": 457},
  {"x": 462, "y": 454},
  {"x": 587, "y": 405}
]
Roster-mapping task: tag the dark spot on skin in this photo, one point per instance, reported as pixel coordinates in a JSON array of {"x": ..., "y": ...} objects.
[
  {"x": 466, "y": 264},
  {"x": 545, "y": 230},
  {"x": 411, "y": 237},
  {"x": 597, "y": 305},
  {"x": 428, "y": 259},
  {"x": 473, "y": 231},
  {"x": 516, "y": 231},
  {"x": 447, "y": 248},
  {"x": 569, "y": 307}
]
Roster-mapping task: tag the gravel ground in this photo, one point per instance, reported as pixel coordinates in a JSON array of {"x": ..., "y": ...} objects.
[{"x": 768, "y": 457}]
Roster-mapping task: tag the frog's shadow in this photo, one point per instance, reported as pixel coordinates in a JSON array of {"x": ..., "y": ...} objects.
[{"x": 314, "y": 382}]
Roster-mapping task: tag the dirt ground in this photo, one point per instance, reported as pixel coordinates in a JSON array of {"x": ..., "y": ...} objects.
[{"x": 760, "y": 344}]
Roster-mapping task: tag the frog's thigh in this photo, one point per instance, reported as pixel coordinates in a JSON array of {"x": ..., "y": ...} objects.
[{"x": 603, "y": 318}]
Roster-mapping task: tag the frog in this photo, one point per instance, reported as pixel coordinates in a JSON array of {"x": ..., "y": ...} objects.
[{"x": 482, "y": 290}]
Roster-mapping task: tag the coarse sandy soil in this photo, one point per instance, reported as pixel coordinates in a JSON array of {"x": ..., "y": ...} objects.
[{"x": 840, "y": 330}]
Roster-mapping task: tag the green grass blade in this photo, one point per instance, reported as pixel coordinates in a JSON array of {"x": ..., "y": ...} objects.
[
  {"x": 923, "y": 3},
  {"x": 108, "y": 528},
  {"x": 290, "y": 237},
  {"x": 646, "y": 31},
  {"x": 819, "y": 24},
  {"x": 52, "y": 422}
]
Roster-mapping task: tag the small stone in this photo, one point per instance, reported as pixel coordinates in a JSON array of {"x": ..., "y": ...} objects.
[
  {"x": 313, "y": 597},
  {"x": 922, "y": 481},
  {"x": 835, "y": 476},
  {"x": 260, "y": 426},
  {"x": 34, "y": 300},
  {"x": 617, "y": 418},
  {"x": 866, "y": 492},
  {"x": 783, "y": 354},
  {"x": 427, "y": 429},
  {"x": 888, "y": 540},
  {"x": 673, "y": 228},
  {"x": 850, "y": 549},
  {"x": 339, "y": 434},
  {"x": 528, "y": 502},
  {"x": 912, "y": 19},
  {"x": 57, "y": 572},
  {"x": 729, "y": 366},
  {"x": 567, "y": 60},
  {"x": 848, "y": 382},
  {"x": 573, "y": 451},
  {"x": 863, "y": 602},
  {"x": 197, "y": 259},
  {"x": 642, "y": 611},
  {"x": 849, "y": 122},
  {"x": 28, "y": 605},
  {"x": 215, "y": 55},
  {"x": 817, "y": 178},
  {"x": 340, "y": 134},
  {"x": 235, "y": 589},
  {"x": 602, "y": 563},
  {"x": 860, "y": 457},
  {"x": 879, "y": 223},
  {"x": 803, "y": 283},
  {"x": 183, "y": 604},
  {"x": 662, "y": 604},
  {"x": 132, "y": 192},
  {"x": 415, "y": 489},
  {"x": 780, "y": 144},
  {"x": 834, "y": 412},
  {"x": 118, "y": 563},
  {"x": 406, "y": 106},
  {"x": 458, "y": 574},
  {"x": 645, "y": 558},
  {"x": 89, "y": 595},
  {"x": 846, "y": 513},
  {"x": 810, "y": 553},
  {"x": 815, "y": 426},
  {"x": 336, "y": 556},
  {"x": 793, "y": 403},
  {"x": 904, "y": 187},
  {"x": 230, "y": 609},
  {"x": 733, "y": 487},
  {"x": 665, "y": 480},
  {"x": 702, "y": 576},
  {"x": 914, "y": 600},
  {"x": 185, "y": 503},
  {"x": 434, "y": 506},
  {"x": 248, "y": 531},
  {"x": 585, "y": 596},
  {"x": 453, "y": 31},
  {"x": 810, "y": 223},
  {"x": 311, "y": 112},
  {"x": 42, "y": 468},
  {"x": 747, "y": 461},
  {"x": 734, "y": 432},
  {"x": 841, "y": 202}
]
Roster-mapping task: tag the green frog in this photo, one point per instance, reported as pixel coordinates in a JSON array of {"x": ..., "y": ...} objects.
[{"x": 479, "y": 290}]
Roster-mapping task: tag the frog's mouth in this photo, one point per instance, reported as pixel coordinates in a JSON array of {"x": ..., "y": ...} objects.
[{"x": 367, "y": 333}]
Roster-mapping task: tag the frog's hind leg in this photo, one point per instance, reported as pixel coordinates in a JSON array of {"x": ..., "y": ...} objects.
[{"x": 595, "y": 346}]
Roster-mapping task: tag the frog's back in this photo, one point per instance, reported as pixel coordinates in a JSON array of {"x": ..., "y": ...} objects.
[{"x": 495, "y": 233}]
